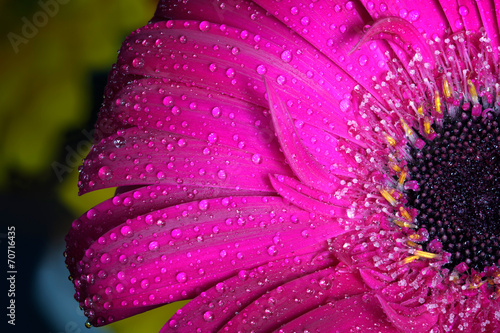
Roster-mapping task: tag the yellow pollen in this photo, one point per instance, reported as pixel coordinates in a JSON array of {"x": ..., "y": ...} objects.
[
  {"x": 405, "y": 214},
  {"x": 388, "y": 197},
  {"x": 415, "y": 236},
  {"x": 427, "y": 126},
  {"x": 404, "y": 224},
  {"x": 395, "y": 167},
  {"x": 426, "y": 255},
  {"x": 408, "y": 130},
  {"x": 402, "y": 176},
  {"x": 391, "y": 140},
  {"x": 437, "y": 102},
  {"x": 412, "y": 244},
  {"x": 472, "y": 91},
  {"x": 446, "y": 89},
  {"x": 420, "y": 110},
  {"x": 409, "y": 259}
]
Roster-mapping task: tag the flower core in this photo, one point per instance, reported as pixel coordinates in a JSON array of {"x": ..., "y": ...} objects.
[{"x": 458, "y": 199}]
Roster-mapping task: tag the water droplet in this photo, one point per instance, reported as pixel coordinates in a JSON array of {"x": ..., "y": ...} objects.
[
  {"x": 281, "y": 80},
  {"x": 345, "y": 105},
  {"x": 119, "y": 142},
  {"x": 463, "y": 10},
  {"x": 216, "y": 112},
  {"x": 212, "y": 67},
  {"x": 145, "y": 284},
  {"x": 304, "y": 21},
  {"x": 126, "y": 231},
  {"x": 176, "y": 233},
  {"x": 342, "y": 28},
  {"x": 105, "y": 258},
  {"x": 138, "y": 62},
  {"x": 181, "y": 277},
  {"x": 286, "y": 56},
  {"x": 208, "y": 316},
  {"x": 183, "y": 39},
  {"x": 168, "y": 101},
  {"x": 204, "y": 26},
  {"x": 222, "y": 174},
  {"x": 230, "y": 73},
  {"x": 413, "y": 15},
  {"x": 272, "y": 251},
  {"x": 212, "y": 138},
  {"x": 261, "y": 69},
  {"x": 363, "y": 60},
  {"x": 257, "y": 158},
  {"x": 294, "y": 11},
  {"x": 203, "y": 205},
  {"x": 153, "y": 246}
]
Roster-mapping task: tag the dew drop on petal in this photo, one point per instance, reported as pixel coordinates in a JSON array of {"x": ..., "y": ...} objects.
[
  {"x": 257, "y": 158},
  {"x": 345, "y": 105},
  {"x": 286, "y": 56},
  {"x": 363, "y": 60},
  {"x": 463, "y": 10},
  {"x": 153, "y": 246},
  {"x": 168, "y": 101},
  {"x": 126, "y": 231},
  {"x": 138, "y": 62},
  {"x": 216, "y": 112},
  {"x": 208, "y": 316},
  {"x": 119, "y": 142},
  {"x": 203, "y": 205},
  {"x": 176, "y": 233},
  {"x": 181, "y": 277},
  {"x": 204, "y": 26},
  {"x": 261, "y": 69}
]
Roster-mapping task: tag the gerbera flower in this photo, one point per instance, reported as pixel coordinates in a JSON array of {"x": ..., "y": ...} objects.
[{"x": 313, "y": 167}]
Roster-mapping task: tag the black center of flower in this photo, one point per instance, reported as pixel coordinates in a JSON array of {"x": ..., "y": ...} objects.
[{"x": 459, "y": 196}]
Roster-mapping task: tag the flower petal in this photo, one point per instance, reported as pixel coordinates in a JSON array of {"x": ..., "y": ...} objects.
[
  {"x": 359, "y": 313},
  {"x": 143, "y": 157},
  {"x": 213, "y": 308},
  {"x": 174, "y": 253},
  {"x": 295, "y": 298},
  {"x": 128, "y": 205}
]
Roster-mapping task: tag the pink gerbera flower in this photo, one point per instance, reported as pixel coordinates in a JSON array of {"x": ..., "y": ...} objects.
[{"x": 299, "y": 167}]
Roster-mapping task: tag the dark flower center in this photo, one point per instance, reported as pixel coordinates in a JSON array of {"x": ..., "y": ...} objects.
[{"x": 459, "y": 188}]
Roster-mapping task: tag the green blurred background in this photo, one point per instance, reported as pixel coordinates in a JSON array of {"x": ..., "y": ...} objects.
[{"x": 54, "y": 60}]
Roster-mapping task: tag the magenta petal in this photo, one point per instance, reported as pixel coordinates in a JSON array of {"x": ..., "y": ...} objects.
[
  {"x": 360, "y": 313},
  {"x": 213, "y": 308},
  {"x": 128, "y": 205},
  {"x": 294, "y": 298},
  {"x": 143, "y": 157},
  {"x": 409, "y": 319},
  {"x": 174, "y": 253},
  {"x": 301, "y": 161}
]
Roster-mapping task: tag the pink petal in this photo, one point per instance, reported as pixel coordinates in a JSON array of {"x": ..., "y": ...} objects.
[
  {"x": 427, "y": 16},
  {"x": 128, "y": 205},
  {"x": 143, "y": 157},
  {"x": 305, "y": 167},
  {"x": 329, "y": 207},
  {"x": 174, "y": 253},
  {"x": 213, "y": 308},
  {"x": 359, "y": 313},
  {"x": 414, "y": 319},
  {"x": 294, "y": 298}
]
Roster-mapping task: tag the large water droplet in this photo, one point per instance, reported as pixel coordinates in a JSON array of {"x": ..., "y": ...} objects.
[
  {"x": 286, "y": 56},
  {"x": 181, "y": 277}
]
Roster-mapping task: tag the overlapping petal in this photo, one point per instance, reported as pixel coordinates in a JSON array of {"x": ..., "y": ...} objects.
[{"x": 260, "y": 186}]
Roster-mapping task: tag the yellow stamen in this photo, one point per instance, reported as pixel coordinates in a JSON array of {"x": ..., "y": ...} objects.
[
  {"x": 446, "y": 89},
  {"x": 395, "y": 167},
  {"x": 437, "y": 102},
  {"x": 427, "y": 126},
  {"x": 391, "y": 140},
  {"x": 402, "y": 176},
  {"x": 415, "y": 236},
  {"x": 405, "y": 214},
  {"x": 404, "y": 224},
  {"x": 472, "y": 91},
  {"x": 426, "y": 255},
  {"x": 409, "y": 259},
  {"x": 388, "y": 197},
  {"x": 408, "y": 130},
  {"x": 420, "y": 110},
  {"x": 412, "y": 244}
]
